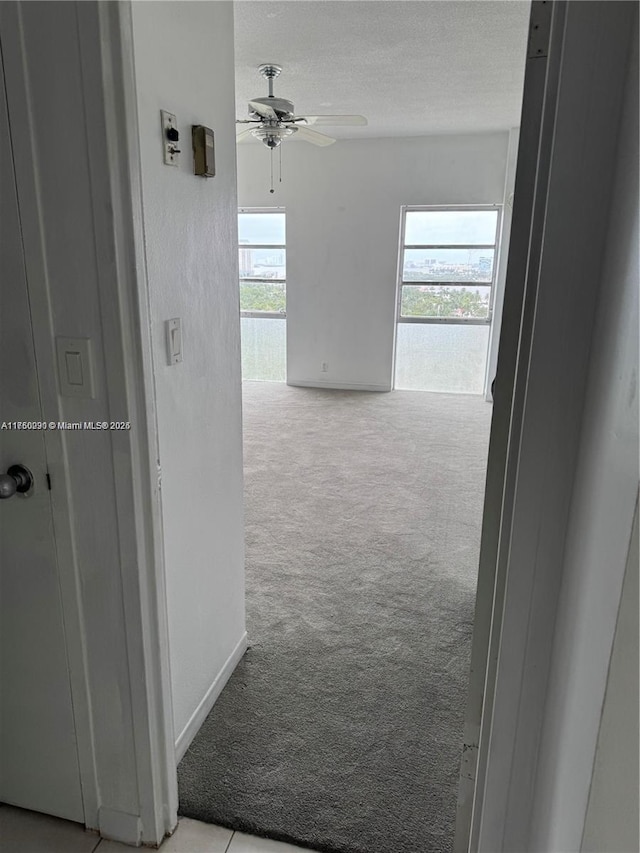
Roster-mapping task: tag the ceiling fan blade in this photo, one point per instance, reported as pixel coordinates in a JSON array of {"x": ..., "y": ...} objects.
[
  {"x": 336, "y": 121},
  {"x": 313, "y": 136},
  {"x": 263, "y": 110},
  {"x": 244, "y": 135}
]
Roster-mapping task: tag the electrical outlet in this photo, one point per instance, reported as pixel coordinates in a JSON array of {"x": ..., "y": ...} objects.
[
  {"x": 170, "y": 137},
  {"x": 324, "y": 367}
]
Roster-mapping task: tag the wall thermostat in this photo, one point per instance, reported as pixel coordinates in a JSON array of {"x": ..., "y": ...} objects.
[{"x": 204, "y": 163}]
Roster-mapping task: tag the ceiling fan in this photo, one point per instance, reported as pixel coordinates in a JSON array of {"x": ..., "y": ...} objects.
[{"x": 274, "y": 119}]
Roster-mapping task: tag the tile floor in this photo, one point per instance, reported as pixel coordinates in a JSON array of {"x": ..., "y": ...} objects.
[{"x": 29, "y": 832}]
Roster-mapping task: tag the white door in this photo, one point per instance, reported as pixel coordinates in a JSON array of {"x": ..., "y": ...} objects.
[{"x": 38, "y": 752}]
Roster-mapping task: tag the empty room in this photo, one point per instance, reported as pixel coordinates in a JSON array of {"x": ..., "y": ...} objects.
[
  {"x": 373, "y": 229},
  {"x": 319, "y": 435}
]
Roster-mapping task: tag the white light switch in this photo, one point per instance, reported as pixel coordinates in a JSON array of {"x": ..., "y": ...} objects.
[
  {"x": 75, "y": 367},
  {"x": 174, "y": 340}
]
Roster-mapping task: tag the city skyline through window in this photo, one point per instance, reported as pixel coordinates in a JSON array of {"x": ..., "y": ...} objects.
[
  {"x": 447, "y": 270},
  {"x": 262, "y": 268}
]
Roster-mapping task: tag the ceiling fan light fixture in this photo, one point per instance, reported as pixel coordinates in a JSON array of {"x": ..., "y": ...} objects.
[{"x": 272, "y": 136}]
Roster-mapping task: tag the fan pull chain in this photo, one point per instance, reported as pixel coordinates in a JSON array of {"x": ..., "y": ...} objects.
[
  {"x": 272, "y": 189},
  {"x": 280, "y": 169}
]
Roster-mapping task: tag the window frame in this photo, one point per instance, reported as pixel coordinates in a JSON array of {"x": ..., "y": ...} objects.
[
  {"x": 491, "y": 284},
  {"x": 264, "y": 315}
]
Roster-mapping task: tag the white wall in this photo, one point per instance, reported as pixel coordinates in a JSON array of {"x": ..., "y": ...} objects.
[
  {"x": 612, "y": 816},
  {"x": 343, "y": 221},
  {"x": 184, "y": 64},
  {"x": 600, "y": 523}
]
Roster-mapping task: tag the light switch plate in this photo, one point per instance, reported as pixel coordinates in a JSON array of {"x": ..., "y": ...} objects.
[
  {"x": 173, "y": 330},
  {"x": 170, "y": 149},
  {"x": 75, "y": 367}
]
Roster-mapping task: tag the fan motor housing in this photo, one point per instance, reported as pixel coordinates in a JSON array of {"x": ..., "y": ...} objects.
[{"x": 282, "y": 106}]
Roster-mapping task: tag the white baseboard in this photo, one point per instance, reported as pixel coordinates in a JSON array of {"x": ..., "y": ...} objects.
[
  {"x": 199, "y": 715},
  {"x": 119, "y": 826},
  {"x": 339, "y": 386}
]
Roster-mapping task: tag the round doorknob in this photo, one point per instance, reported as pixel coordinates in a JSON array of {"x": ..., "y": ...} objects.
[{"x": 17, "y": 479}]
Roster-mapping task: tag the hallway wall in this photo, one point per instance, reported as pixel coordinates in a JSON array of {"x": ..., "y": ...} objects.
[
  {"x": 184, "y": 64},
  {"x": 343, "y": 223}
]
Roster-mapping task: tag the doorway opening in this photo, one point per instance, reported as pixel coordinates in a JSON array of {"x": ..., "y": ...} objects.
[{"x": 363, "y": 509}]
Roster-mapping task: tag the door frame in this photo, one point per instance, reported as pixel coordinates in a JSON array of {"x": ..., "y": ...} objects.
[
  {"x": 146, "y": 617},
  {"x": 575, "y": 74}
]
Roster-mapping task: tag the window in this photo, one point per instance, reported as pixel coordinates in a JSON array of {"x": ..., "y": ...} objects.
[
  {"x": 445, "y": 297},
  {"x": 262, "y": 261}
]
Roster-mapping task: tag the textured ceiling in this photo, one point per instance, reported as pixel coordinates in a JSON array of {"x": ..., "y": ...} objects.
[{"x": 412, "y": 68}]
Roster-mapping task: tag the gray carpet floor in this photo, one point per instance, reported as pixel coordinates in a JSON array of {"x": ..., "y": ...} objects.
[{"x": 340, "y": 730}]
